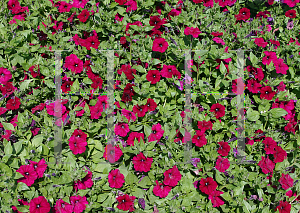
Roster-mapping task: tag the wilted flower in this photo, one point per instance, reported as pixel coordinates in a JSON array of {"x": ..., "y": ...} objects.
[{"x": 290, "y": 25}]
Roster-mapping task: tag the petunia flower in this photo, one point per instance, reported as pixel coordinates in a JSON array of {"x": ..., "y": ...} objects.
[
  {"x": 172, "y": 176},
  {"x": 266, "y": 165},
  {"x": 39, "y": 205},
  {"x": 160, "y": 45},
  {"x": 267, "y": 93},
  {"x": 122, "y": 129},
  {"x": 222, "y": 164},
  {"x": 286, "y": 181},
  {"x": 224, "y": 148},
  {"x": 161, "y": 190},
  {"x": 74, "y": 64},
  {"x": 156, "y": 134},
  {"x": 207, "y": 185},
  {"x": 284, "y": 207},
  {"x": 62, "y": 207},
  {"x": 29, "y": 174},
  {"x": 153, "y": 76},
  {"x": 116, "y": 179},
  {"x": 216, "y": 199},
  {"x": 141, "y": 163},
  {"x": 126, "y": 203},
  {"x": 79, "y": 203},
  {"x": 218, "y": 110},
  {"x": 199, "y": 139},
  {"x": 40, "y": 167}
]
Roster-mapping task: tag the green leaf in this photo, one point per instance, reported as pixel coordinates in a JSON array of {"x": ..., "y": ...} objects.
[
  {"x": 22, "y": 186},
  {"x": 253, "y": 58},
  {"x": 23, "y": 208},
  {"x": 219, "y": 177},
  {"x": 292, "y": 72},
  {"x": 252, "y": 115},
  {"x": 18, "y": 147},
  {"x": 8, "y": 126},
  {"x": 223, "y": 68},
  {"x": 8, "y": 148},
  {"x": 24, "y": 85},
  {"x": 278, "y": 112},
  {"x": 37, "y": 140},
  {"x": 150, "y": 145},
  {"x": 75, "y": 87},
  {"x": 147, "y": 129},
  {"x": 131, "y": 178},
  {"x": 145, "y": 182}
]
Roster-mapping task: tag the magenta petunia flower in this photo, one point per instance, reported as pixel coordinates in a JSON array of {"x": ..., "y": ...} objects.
[
  {"x": 281, "y": 67},
  {"x": 96, "y": 111},
  {"x": 40, "y": 167},
  {"x": 266, "y": 165},
  {"x": 29, "y": 174},
  {"x": 222, "y": 164},
  {"x": 161, "y": 190},
  {"x": 216, "y": 199},
  {"x": 284, "y": 206},
  {"x": 74, "y": 64},
  {"x": 141, "y": 163},
  {"x": 160, "y": 45},
  {"x": 199, "y": 139},
  {"x": 205, "y": 125},
  {"x": 270, "y": 145},
  {"x": 63, "y": 207},
  {"x": 168, "y": 71},
  {"x": 218, "y": 110},
  {"x": 219, "y": 40},
  {"x": 194, "y": 31},
  {"x": 85, "y": 183},
  {"x": 208, "y": 185},
  {"x": 112, "y": 153},
  {"x": 172, "y": 176},
  {"x": 133, "y": 136},
  {"x": 253, "y": 86},
  {"x": 129, "y": 115},
  {"x": 286, "y": 181},
  {"x": 5, "y": 75},
  {"x": 157, "y": 133},
  {"x": 153, "y": 76},
  {"x": 13, "y": 103},
  {"x": 122, "y": 129},
  {"x": 279, "y": 154},
  {"x": 270, "y": 56},
  {"x": 115, "y": 179},
  {"x": 64, "y": 7},
  {"x": 260, "y": 42},
  {"x": 126, "y": 202},
  {"x": 77, "y": 145},
  {"x": 79, "y": 3},
  {"x": 267, "y": 93},
  {"x": 151, "y": 105},
  {"x": 39, "y": 205},
  {"x": 79, "y": 203},
  {"x": 132, "y": 5},
  {"x": 224, "y": 148}
]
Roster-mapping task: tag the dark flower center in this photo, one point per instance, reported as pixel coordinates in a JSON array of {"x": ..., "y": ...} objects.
[
  {"x": 2, "y": 74},
  {"x": 62, "y": 205},
  {"x": 244, "y": 13},
  {"x": 160, "y": 45},
  {"x": 93, "y": 43},
  {"x": 26, "y": 173},
  {"x": 198, "y": 137},
  {"x": 35, "y": 166},
  {"x": 142, "y": 160},
  {"x": 154, "y": 131},
  {"x": 114, "y": 177},
  {"x": 123, "y": 127},
  {"x": 76, "y": 201},
  {"x": 206, "y": 184},
  {"x": 141, "y": 109},
  {"x": 68, "y": 85},
  {"x": 267, "y": 92},
  {"x": 148, "y": 105},
  {"x": 75, "y": 144},
  {"x": 13, "y": 5},
  {"x": 112, "y": 152},
  {"x": 154, "y": 76},
  {"x": 217, "y": 109},
  {"x": 155, "y": 22},
  {"x": 76, "y": 65},
  {"x": 38, "y": 206},
  {"x": 170, "y": 70},
  {"x": 123, "y": 201}
]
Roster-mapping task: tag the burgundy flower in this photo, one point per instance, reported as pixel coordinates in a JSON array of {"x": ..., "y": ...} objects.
[
  {"x": 40, "y": 167},
  {"x": 64, "y": 7},
  {"x": 79, "y": 203},
  {"x": 216, "y": 198},
  {"x": 156, "y": 22},
  {"x": 244, "y": 14},
  {"x": 224, "y": 148},
  {"x": 141, "y": 163},
  {"x": 160, "y": 45},
  {"x": 266, "y": 165},
  {"x": 97, "y": 83},
  {"x": 74, "y": 64},
  {"x": 222, "y": 164},
  {"x": 121, "y": 2},
  {"x": 92, "y": 41},
  {"x": 153, "y": 76},
  {"x": 267, "y": 93},
  {"x": 284, "y": 207},
  {"x": 172, "y": 176},
  {"x": 133, "y": 136},
  {"x": 115, "y": 179},
  {"x": 257, "y": 72},
  {"x": 286, "y": 181},
  {"x": 208, "y": 185},
  {"x": 96, "y": 111},
  {"x": 161, "y": 190},
  {"x": 39, "y": 205},
  {"x": 126, "y": 203},
  {"x": 77, "y": 145},
  {"x": 218, "y": 110},
  {"x": 29, "y": 174},
  {"x": 290, "y": 14},
  {"x": 63, "y": 207}
]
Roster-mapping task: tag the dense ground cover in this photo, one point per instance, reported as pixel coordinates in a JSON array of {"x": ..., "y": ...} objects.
[{"x": 149, "y": 39}]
